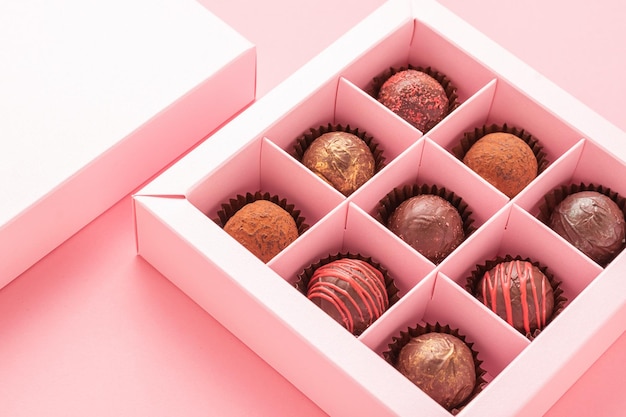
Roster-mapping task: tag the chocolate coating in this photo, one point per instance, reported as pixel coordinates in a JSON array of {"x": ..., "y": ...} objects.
[
  {"x": 504, "y": 160},
  {"x": 441, "y": 365},
  {"x": 430, "y": 224},
  {"x": 592, "y": 222},
  {"x": 341, "y": 159},
  {"x": 263, "y": 227},
  {"x": 351, "y": 291},
  {"x": 519, "y": 293},
  {"x": 416, "y": 97}
]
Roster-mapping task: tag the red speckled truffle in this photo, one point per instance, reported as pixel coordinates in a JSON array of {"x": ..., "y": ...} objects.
[
  {"x": 351, "y": 291},
  {"x": 416, "y": 97},
  {"x": 263, "y": 227},
  {"x": 504, "y": 160},
  {"x": 519, "y": 293},
  {"x": 441, "y": 365},
  {"x": 592, "y": 222},
  {"x": 429, "y": 224},
  {"x": 341, "y": 159}
]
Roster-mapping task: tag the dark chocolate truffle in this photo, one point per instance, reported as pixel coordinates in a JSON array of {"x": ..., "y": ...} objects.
[
  {"x": 441, "y": 365},
  {"x": 430, "y": 224},
  {"x": 263, "y": 227},
  {"x": 519, "y": 293},
  {"x": 416, "y": 97},
  {"x": 351, "y": 291},
  {"x": 592, "y": 222},
  {"x": 341, "y": 159},
  {"x": 504, "y": 160}
]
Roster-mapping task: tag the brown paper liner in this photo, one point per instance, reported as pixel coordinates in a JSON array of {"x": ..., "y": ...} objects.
[
  {"x": 471, "y": 137},
  {"x": 373, "y": 88},
  {"x": 398, "y": 342},
  {"x": 305, "y": 140},
  {"x": 303, "y": 278},
  {"x": 557, "y": 195},
  {"x": 235, "y": 204},
  {"x": 394, "y": 198},
  {"x": 559, "y": 299}
]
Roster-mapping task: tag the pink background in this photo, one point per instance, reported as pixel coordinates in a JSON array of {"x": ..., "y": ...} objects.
[{"x": 93, "y": 330}]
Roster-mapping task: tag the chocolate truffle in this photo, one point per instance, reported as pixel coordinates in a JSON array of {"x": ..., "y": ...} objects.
[
  {"x": 341, "y": 159},
  {"x": 441, "y": 365},
  {"x": 416, "y": 97},
  {"x": 263, "y": 227},
  {"x": 592, "y": 222},
  {"x": 519, "y": 293},
  {"x": 504, "y": 160},
  {"x": 430, "y": 224},
  {"x": 351, "y": 291}
]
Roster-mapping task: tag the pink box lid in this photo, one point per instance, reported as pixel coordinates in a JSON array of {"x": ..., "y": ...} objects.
[{"x": 95, "y": 99}]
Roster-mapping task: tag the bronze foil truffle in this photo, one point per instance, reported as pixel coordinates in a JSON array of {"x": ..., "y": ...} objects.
[
  {"x": 519, "y": 293},
  {"x": 351, "y": 291},
  {"x": 504, "y": 160},
  {"x": 441, "y": 365},
  {"x": 263, "y": 227},
  {"x": 341, "y": 159},
  {"x": 416, "y": 97},
  {"x": 429, "y": 224},
  {"x": 592, "y": 222}
]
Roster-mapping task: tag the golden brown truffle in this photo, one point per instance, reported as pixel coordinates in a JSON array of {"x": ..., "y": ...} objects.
[
  {"x": 341, "y": 159},
  {"x": 263, "y": 227},
  {"x": 504, "y": 160},
  {"x": 441, "y": 365}
]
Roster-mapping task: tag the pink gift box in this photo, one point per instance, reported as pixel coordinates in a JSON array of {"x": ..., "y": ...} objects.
[
  {"x": 95, "y": 100},
  {"x": 346, "y": 375}
]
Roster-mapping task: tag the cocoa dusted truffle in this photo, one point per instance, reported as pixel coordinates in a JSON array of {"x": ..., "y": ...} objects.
[
  {"x": 429, "y": 224},
  {"x": 351, "y": 291},
  {"x": 263, "y": 227},
  {"x": 519, "y": 293},
  {"x": 341, "y": 159},
  {"x": 504, "y": 160},
  {"x": 592, "y": 222},
  {"x": 441, "y": 365},
  {"x": 416, "y": 97}
]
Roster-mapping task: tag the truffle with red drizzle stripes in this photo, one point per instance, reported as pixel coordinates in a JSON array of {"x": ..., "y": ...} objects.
[
  {"x": 519, "y": 293},
  {"x": 351, "y": 291}
]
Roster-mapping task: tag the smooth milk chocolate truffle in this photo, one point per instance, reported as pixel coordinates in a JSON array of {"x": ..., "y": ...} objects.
[
  {"x": 592, "y": 222},
  {"x": 416, "y": 97},
  {"x": 429, "y": 224},
  {"x": 441, "y": 365},
  {"x": 263, "y": 227},
  {"x": 519, "y": 293},
  {"x": 504, "y": 160},
  {"x": 351, "y": 291},
  {"x": 341, "y": 159}
]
